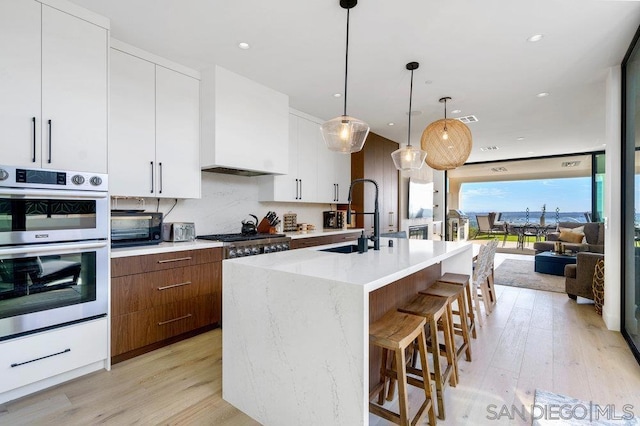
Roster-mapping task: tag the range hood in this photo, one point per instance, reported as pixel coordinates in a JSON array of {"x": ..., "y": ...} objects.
[{"x": 244, "y": 125}]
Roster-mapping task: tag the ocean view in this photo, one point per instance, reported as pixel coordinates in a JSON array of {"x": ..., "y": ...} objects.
[{"x": 534, "y": 217}]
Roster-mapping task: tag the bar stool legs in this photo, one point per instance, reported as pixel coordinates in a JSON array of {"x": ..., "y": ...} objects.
[
  {"x": 465, "y": 281},
  {"x": 434, "y": 309},
  {"x": 396, "y": 331}
]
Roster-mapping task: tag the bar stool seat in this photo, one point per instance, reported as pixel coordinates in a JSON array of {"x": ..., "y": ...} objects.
[
  {"x": 465, "y": 281},
  {"x": 395, "y": 332},
  {"x": 454, "y": 293},
  {"x": 434, "y": 309}
]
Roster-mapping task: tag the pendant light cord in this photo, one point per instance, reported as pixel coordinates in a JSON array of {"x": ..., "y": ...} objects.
[
  {"x": 445, "y": 114},
  {"x": 410, "y": 97},
  {"x": 346, "y": 66}
]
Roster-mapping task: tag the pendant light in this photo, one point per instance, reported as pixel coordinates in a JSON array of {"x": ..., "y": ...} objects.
[
  {"x": 409, "y": 157},
  {"x": 345, "y": 134},
  {"x": 447, "y": 142}
]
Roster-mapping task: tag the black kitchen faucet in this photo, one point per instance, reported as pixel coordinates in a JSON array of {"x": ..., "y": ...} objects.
[{"x": 376, "y": 213}]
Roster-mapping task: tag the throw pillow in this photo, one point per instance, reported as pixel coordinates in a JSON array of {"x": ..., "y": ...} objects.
[
  {"x": 578, "y": 230},
  {"x": 571, "y": 237}
]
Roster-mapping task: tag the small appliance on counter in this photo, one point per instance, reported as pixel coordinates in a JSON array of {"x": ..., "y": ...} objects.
[
  {"x": 178, "y": 231},
  {"x": 334, "y": 219},
  {"x": 290, "y": 222},
  {"x": 135, "y": 228}
]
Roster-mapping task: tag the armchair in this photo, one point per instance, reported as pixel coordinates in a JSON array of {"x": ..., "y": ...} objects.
[
  {"x": 579, "y": 277},
  {"x": 486, "y": 226}
]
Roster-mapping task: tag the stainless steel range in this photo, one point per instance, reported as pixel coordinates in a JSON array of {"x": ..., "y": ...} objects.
[{"x": 241, "y": 245}]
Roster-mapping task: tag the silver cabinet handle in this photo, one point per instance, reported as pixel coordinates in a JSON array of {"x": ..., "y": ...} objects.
[
  {"x": 166, "y": 287},
  {"x": 297, "y": 190},
  {"x": 18, "y": 364},
  {"x": 160, "y": 178},
  {"x": 175, "y": 319},
  {"x": 178, "y": 259},
  {"x": 301, "y": 189}
]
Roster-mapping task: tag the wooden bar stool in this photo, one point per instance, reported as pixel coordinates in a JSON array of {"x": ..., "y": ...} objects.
[
  {"x": 396, "y": 331},
  {"x": 434, "y": 309},
  {"x": 465, "y": 281},
  {"x": 454, "y": 293}
]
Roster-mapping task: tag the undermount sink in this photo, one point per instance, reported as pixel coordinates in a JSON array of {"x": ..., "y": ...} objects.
[{"x": 342, "y": 249}]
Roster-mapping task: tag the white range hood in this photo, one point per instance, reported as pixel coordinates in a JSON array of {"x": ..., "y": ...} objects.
[{"x": 244, "y": 125}]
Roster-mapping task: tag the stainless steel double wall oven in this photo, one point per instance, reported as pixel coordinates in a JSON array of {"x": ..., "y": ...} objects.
[{"x": 54, "y": 254}]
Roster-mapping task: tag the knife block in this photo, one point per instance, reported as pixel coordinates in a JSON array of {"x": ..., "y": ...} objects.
[{"x": 264, "y": 227}]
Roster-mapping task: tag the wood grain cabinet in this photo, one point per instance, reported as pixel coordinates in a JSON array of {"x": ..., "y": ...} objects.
[
  {"x": 374, "y": 162},
  {"x": 323, "y": 239},
  {"x": 158, "y": 298},
  {"x": 53, "y": 85}
]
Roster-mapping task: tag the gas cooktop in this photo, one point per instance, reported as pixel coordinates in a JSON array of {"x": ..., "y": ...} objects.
[{"x": 228, "y": 238}]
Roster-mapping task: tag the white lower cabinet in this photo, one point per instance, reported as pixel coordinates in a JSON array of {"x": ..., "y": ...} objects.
[
  {"x": 33, "y": 358},
  {"x": 154, "y": 138},
  {"x": 316, "y": 174}
]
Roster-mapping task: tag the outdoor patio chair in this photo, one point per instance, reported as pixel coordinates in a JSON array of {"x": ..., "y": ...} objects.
[
  {"x": 487, "y": 228},
  {"x": 527, "y": 231}
]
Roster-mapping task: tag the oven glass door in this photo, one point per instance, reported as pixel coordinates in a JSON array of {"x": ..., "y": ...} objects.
[
  {"x": 52, "y": 284},
  {"x": 39, "y": 216}
]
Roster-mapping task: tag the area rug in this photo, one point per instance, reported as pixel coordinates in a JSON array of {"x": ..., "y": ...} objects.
[{"x": 519, "y": 273}]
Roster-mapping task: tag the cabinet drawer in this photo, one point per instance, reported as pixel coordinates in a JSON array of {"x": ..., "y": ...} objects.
[
  {"x": 157, "y": 262},
  {"x": 36, "y": 357},
  {"x": 322, "y": 240},
  {"x": 141, "y": 328},
  {"x": 133, "y": 293}
]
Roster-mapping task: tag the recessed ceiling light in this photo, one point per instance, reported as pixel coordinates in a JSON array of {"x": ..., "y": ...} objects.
[
  {"x": 535, "y": 37},
  {"x": 542, "y": 95},
  {"x": 428, "y": 82},
  {"x": 391, "y": 124},
  {"x": 498, "y": 169},
  {"x": 520, "y": 138},
  {"x": 337, "y": 95},
  {"x": 456, "y": 111},
  {"x": 570, "y": 163},
  {"x": 489, "y": 148},
  {"x": 244, "y": 45},
  {"x": 530, "y": 152}
]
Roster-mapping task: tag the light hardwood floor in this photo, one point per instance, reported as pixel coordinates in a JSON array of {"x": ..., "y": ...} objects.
[{"x": 533, "y": 339}]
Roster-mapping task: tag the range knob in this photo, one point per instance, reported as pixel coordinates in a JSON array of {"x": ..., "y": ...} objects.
[
  {"x": 232, "y": 253},
  {"x": 77, "y": 179},
  {"x": 4, "y": 175},
  {"x": 247, "y": 252},
  {"x": 255, "y": 250},
  {"x": 266, "y": 249},
  {"x": 95, "y": 180}
]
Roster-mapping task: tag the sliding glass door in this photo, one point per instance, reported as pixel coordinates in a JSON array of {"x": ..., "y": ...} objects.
[{"x": 631, "y": 198}]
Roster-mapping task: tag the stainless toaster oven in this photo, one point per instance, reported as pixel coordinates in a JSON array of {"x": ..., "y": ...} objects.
[{"x": 135, "y": 228}]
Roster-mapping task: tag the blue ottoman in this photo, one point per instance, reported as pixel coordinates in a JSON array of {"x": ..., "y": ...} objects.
[{"x": 550, "y": 263}]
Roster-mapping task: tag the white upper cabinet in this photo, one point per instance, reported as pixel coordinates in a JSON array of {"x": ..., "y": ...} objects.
[
  {"x": 154, "y": 126},
  {"x": 132, "y": 126},
  {"x": 177, "y": 134},
  {"x": 244, "y": 125},
  {"x": 53, "y": 87},
  {"x": 316, "y": 174}
]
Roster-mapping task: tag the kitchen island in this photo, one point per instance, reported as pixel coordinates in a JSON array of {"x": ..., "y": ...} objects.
[{"x": 295, "y": 343}]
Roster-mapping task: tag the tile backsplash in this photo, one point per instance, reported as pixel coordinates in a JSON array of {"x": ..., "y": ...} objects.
[{"x": 226, "y": 201}]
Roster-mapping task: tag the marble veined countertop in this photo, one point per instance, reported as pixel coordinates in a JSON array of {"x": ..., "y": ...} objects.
[{"x": 371, "y": 270}]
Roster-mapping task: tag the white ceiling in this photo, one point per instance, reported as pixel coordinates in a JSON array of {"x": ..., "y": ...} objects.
[{"x": 474, "y": 51}]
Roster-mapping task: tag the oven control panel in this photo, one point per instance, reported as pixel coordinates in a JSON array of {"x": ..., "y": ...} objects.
[{"x": 18, "y": 177}]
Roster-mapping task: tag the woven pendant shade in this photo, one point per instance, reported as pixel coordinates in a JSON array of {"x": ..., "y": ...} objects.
[{"x": 446, "y": 154}]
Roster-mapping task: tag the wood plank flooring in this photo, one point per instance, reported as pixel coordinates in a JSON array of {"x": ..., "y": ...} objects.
[{"x": 533, "y": 339}]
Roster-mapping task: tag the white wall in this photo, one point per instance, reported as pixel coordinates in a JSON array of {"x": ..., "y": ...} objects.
[
  {"x": 226, "y": 200},
  {"x": 612, "y": 200}
]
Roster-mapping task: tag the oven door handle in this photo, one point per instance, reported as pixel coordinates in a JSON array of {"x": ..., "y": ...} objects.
[
  {"x": 53, "y": 194},
  {"x": 37, "y": 250}
]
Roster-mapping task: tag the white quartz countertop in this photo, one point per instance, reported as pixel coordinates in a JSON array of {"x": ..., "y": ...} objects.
[
  {"x": 372, "y": 270},
  {"x": 320, "y": 233},
  {"x": 163, "y": 248}
]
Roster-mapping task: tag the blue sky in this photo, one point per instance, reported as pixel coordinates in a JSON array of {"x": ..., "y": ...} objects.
[{"x": 569, "y": 194}]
